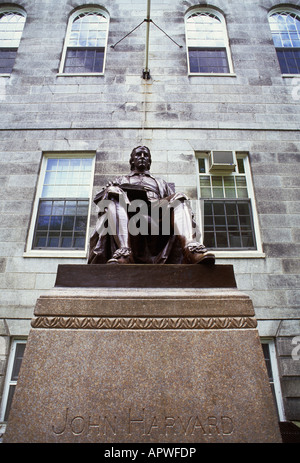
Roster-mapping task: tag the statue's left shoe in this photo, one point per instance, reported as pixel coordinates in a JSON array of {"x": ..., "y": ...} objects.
[
  {"x": 121, "y": 256},
  {"x": 196, "y": 253}
]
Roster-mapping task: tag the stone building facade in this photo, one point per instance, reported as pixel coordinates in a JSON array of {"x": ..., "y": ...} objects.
[{"x": 217, "y": 83}]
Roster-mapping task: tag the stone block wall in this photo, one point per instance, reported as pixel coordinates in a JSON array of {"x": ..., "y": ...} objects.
[{"x": 255, "y": 110}]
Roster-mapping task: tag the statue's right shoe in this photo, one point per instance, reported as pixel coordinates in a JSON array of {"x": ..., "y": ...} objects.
[
  {"x": 121, "y": 256},
  {"x": 196, "y": 253}
]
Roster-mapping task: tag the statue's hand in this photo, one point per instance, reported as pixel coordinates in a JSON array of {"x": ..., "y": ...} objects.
[
  {"x": 114, "y": 183},
  {"x": 113, "y": 189},
  {"x": 179, "y": 197}
]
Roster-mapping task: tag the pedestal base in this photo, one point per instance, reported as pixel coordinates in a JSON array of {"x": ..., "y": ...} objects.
[{"x": 129, "y": 365}]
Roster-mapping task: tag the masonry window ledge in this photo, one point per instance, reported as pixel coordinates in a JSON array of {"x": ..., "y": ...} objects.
[
  {"x": 239, "y": 254},
  {"x": 291, "y": 75},
  {"x": 90, "y": 74},
  {"x": 206, "y": 74},
  {"x": 56, "y": 254},
  {"x": 83, "y": 254}
]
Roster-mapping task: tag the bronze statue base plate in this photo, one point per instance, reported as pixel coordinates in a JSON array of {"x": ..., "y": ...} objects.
[{"x": 145, "y": 276}]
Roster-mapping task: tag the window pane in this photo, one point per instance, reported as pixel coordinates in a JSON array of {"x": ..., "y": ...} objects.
[
  {"x": 7, "y": 59},
  {"x": 53, "y": 240},
  {"x": 210, "y": 241},
  {"x": 20, "y": 349},
  {"x": 205, "y": 28},
  {"x": 241, "y": 168},
  {"x": 208, "y": 60},
  {"x": 40, "y": 240},
  {"x": 14, "y": 374},
  {"x": 70, "y": 207},
  {"x": 52, "y": 164},
  {"x": 66, "y": 240},
  {"x": 67, "y": 177},
  {"x": 201, "y": 163},
  {"x": 79, "y": 240},
  {"x": 207, "y": 208},
  {"x": 235, "y": 240},
  {"x": 217, "y": 184},
  {"x": 58, "y": 207},
  {"x": 267, "y": 357},
  {"x": 11, "y": 391},
  {"x": 231, "y": 208},
  {"x": 241, "y": 187},
  {"x": 205, "y": 187},
  {"x": 285, "y": 28},
  {"x": 247, "y": 240},
  {"x": 88, "y": 29},
  {"x": 55, "y": 222},
  {"x": 228, "y": 224},
  {"x": 57, "y": 228},
  {"x": 84, "y": 60},
  {"x": 221, "y": 240},
  {"x": 68, "y": 223},
  {"x": 11, "y": 28},
  {"x": 80, "y": 223},
  {"x": 289, "y": 61},
  {"x": 43, "y": 222}
]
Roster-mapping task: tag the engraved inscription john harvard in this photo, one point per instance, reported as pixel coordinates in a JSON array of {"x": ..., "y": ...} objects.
[
  {"x": 142, "y": 220},
  {"x": 141, "y": 423}
]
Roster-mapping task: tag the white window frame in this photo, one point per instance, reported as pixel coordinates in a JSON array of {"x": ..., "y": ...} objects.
[
  {"x": 283, "y": 9},
  {"x": 13, "y": 9},
  {"x": 226, "y": 42},
  {"x": 276, "y": 377},
  {"x": 29, "y": 252},
  {"x": 8, "y": 382},
  {"x": 255, "y": 253},
  {"x": 69, "y": 28}
]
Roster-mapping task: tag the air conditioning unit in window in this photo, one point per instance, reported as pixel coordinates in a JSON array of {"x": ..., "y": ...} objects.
[{"x": 221, "y": 161}]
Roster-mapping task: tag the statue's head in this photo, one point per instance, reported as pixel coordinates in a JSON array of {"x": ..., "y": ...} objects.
[{"x": 133, "y": 154}]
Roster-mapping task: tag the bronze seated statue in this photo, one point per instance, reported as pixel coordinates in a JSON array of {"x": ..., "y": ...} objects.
[{"x": 142, "y": 220}]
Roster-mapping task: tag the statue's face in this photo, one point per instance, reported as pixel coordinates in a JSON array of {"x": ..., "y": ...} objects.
[{"x": 141, "y": 159}]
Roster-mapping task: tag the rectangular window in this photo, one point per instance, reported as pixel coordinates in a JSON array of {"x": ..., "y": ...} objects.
[
  {"x": 289, "y": 60},
  {"x": 61, "y": 224},
  {"x": 63, "y": 203},
  {"x": 84, "y": 60},
  {"x": 226, "y": 195},
  {"x": 210, "y": 60},
  {"x": 228, "y": 224},
  {"x": 268, "y": 346},
  {"x": 7, "y": 59},
  {"x": 12, "y": 374}
]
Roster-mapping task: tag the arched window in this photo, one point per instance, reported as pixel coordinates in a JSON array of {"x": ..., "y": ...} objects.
[
  {"x": 285, "y": 28},
  {"x": 12, "y": 20},
  {"x": 85, "y": 44},
  {"x": 207, "y": 43}
]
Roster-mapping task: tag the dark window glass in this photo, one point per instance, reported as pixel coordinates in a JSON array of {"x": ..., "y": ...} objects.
[
  {"x": 84, "y": 60},
  {"x": 19, "y": 353},
  {"x": 7, "y": 59},
  {"x": 20, "y": 348},
  {"x": 289, "y": 60},
  {"x": 61, "y": 224},
  {"x": 228, "y": 224},
  {"x": 267, "y": 356},
  {"x": 209, "y": 60}
]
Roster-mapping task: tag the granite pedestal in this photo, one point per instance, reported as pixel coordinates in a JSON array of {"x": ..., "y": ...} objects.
[{"x": 111, "y": 358}]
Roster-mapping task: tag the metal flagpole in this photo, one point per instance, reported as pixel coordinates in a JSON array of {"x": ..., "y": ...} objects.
[{"x": 146, "y": 72}]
